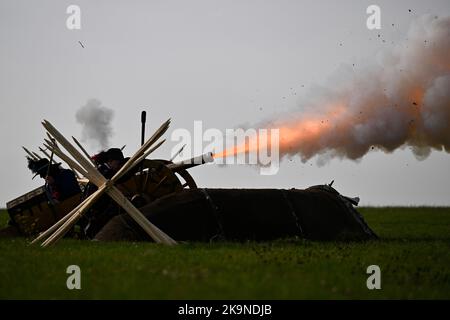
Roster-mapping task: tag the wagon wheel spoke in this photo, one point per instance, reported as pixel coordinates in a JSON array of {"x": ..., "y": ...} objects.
[
  {"x": 159, "y": 184},
  {"x": 147, "y": 173},
  {"x": 137, "y": 184}
]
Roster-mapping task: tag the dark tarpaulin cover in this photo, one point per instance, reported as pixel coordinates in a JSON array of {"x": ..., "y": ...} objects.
[{"x": 316, "y": 213}]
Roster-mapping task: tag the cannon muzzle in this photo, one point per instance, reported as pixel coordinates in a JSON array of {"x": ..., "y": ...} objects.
[{"x": 193, "y": 162}]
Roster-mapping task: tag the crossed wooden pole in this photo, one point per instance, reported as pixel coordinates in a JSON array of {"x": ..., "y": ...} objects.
[{"x": 87, "y": 169}]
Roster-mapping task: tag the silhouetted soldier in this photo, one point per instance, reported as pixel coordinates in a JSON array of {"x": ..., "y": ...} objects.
[
  {"x": 61, "y": 183},
  {"x": 108, "y": 163}
]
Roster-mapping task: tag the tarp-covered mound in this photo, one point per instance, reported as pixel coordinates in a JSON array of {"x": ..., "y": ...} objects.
[{"x": 317, "y": 213}]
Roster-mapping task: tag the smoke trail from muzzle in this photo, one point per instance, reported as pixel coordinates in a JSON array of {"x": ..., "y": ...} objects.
[
  {"x": 402, "y": 101},
  {"x": 96, "y": 123}
]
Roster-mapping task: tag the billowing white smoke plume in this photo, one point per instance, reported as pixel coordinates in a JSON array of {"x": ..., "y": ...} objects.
[
  {"x": 402, "y": 101},
  {"x": 96, "y": 123}
]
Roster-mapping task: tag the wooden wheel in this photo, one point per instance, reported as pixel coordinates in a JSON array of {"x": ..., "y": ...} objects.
[
  {"x": 187, "y": 182},
  {"x": 154, "y": 180}
]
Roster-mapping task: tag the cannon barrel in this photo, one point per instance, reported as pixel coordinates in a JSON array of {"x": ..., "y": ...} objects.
[{"x": 193, "y": 162}]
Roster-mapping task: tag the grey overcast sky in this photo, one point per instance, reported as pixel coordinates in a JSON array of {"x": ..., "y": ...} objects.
[{"x": 223, "y": 62}]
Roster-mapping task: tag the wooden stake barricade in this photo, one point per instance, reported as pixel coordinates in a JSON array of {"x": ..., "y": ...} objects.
[
  {"x": 87, "y": 169},
  {"x": 30, "y": 154}
]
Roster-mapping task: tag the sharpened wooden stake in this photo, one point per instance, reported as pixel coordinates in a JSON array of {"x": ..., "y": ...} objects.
[
  {"x": 71, "y": 163},
  {"x": 145, "y": 155},
  {"x": 54, "y": 161},
  {"x": 47, "y": 155},
  {"x": 178, "y": 152},
  {"x": 84, "y": 150},
  {"x": 36, "y": 155},
  {"x": 29, "y": 153},
  {"x": 52, "y": 142},
  {"x": 142, "y": 149}
]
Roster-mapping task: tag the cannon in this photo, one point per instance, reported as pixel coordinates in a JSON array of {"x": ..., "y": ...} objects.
[{"x": 160, "y": 201}]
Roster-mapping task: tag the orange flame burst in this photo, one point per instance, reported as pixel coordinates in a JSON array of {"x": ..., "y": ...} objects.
[
  {"x": 312, "y": 133},
  {"x": 294, "y": 132}
]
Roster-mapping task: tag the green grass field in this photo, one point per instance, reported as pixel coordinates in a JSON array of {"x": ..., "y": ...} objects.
[{"x": 414, "y": 257}]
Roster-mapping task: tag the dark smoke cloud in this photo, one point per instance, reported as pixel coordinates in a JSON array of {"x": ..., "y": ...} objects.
[
  {"x": 96, "y": 123},
  {"x": 403, "y": 101}
]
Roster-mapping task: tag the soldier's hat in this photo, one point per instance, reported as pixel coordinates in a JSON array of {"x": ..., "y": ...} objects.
[
  {"x": 114, "y": 154},
  {"x": 40, "y": 167}
]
